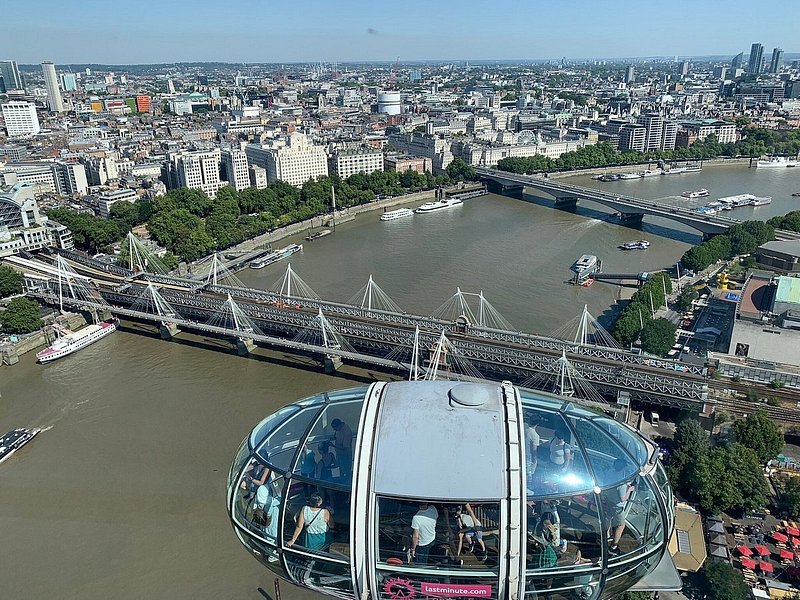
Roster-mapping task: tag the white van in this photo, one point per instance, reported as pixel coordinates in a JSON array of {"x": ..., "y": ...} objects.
[{"x": 654, "y": 419}]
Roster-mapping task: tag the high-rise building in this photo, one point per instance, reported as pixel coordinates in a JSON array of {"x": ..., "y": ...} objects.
[
  {"x": 654, "y": 125},
  {"x": 630, "y": 74},
  {"x": 777, "y": 60},
  {"x": 632, "y": 137},
  {"x": 142, "y": 103},
  {"x": 291, "y": 159},
  {"x": 20, "y": 118},
  {"x": 258, "y": 177},
  {"x": 684, "y": 68},
  {"x": 170, "y": 86},
  {"x": 12, "y": 80},
  {"x": 720, "y": 72},
  {"x": 235, "y": 162},
  {"x": 70, "y": 179},
  {"x": 360, "y": 160},
  {"x": 198, "y": 170},
  {"x": 737, "y": 62},
  {"x": 756, "y": 57},
  {"x": 69, "y": 83},
  {"x": 54, "y": 100}
]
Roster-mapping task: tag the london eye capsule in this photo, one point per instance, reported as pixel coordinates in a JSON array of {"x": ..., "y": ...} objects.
[{"x": 441, "y": 489}]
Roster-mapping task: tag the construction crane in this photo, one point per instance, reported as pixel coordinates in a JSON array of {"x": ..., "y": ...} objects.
[{"x": 393, "y": 73}]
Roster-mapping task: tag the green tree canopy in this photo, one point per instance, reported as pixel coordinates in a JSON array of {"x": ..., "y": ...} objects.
[
  {"x": 718, "y": 580},
  {"x": 658, "y": 336},
  {"x": 458, "y": 170},
  {"x": 789, "y": 496},
  {"x": 10, "y": 281},
  {"x": 729, "y": 478},
  {"x": 691, "y": 444},
  {"x": 21, "y": 316},
  {"x": 760, "y": 434}
]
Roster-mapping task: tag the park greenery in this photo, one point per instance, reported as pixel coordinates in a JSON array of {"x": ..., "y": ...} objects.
[
  {"x": 10, "y": 281},
  {"x": 719, "y": 580},
  {"x": 685, "y": 299},
  {"x": 20, "y": 316},
  {"x": 789, "y": 496},
  {"x": 728, "y": 476},
  {"x": 639, "y": 312},
  {"x": 658, "y": 336},
  {"x": 742, "y": 238},
  {"x": 191, "y": 225},
  {"x": 756, "y": 142},
  {"x": 789, "y": 221}
]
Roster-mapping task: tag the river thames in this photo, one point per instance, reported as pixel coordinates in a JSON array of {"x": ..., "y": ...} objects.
[{"x": 124, "y": 495}]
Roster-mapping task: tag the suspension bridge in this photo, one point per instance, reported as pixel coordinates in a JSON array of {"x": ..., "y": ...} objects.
[{"x": 466, "y": 337}]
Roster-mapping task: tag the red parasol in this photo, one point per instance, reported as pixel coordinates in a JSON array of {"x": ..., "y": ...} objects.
[
  {"x": 779, "y": 537},
  {"x": 787, "y": 554},
  {"x": 761, "y": 550},
  {"x": 793, "y": 531},
  {"x": 765, "y": 567},
  {"x": 748, "y": 563},
  {"x": 744, "y": 550}
]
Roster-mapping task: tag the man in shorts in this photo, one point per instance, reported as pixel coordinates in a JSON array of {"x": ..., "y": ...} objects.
[{"x": 468, "y": 526}]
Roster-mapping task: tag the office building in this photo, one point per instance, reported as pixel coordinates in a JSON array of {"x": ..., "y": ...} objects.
[
  {"x": 291, "y": 159},
  {"x": 142, "y": 103},
  {"x": 54, "y": 99},
  {"x": 105, "y": 200},
  {"x": 630, "y": 74},
  {"x": 198, "y": 170},
  {"x": 683, "y": 68},
  {"x": 21, "y": 119},
  {"x": 69, "y": 83},
  {"x": 234, "y": 161},
  {"x": 12, "y": 79},
  {"x": 777, "y": 60},
  {"x": 401, "y": 164},
  {"x": 720, "y": 72},
  {"x": 22, "y": 228},
  {"x": 756, "y": 58},
  {"x": 70, "y": 179},
  {"x": 100, "y": 169},
  {"x": 633, "y": 137},
  {"x": 737, "y": 62},
  {"x": 361, "y": 160},
  {"x": 258, "y": 177}
]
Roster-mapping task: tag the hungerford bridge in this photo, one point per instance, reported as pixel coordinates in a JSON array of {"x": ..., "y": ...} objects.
[{"x": 370, "y": 330}]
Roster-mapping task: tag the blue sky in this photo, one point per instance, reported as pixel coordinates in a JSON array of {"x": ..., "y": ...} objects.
[{"x": 150, "y": 31}]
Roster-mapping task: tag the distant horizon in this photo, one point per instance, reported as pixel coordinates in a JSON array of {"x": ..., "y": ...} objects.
[
  {"x": 358, "y": 31},
  {"x": 430, "y": 61}
]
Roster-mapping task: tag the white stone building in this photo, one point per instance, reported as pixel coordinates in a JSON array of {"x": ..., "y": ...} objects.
[{"x": 21, "y": 119}]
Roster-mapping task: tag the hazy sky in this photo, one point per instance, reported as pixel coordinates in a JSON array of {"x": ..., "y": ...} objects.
[{"x": 154, "y": 31}]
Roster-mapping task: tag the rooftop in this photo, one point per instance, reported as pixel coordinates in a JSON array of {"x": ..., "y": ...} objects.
[{"x": 788, "y": 290}]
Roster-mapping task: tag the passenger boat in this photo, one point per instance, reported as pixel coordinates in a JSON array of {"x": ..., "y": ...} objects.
[
  {"x": 630, "y": 176},
  {"x": 72, "y": 341},
  {"x": 756, "y": 201},
  {"x": 635, "y": 245},
  {"x": 697, "y": 194},
  {"x": 737, "y": 201},
  {"x": 391, "y": 215},
  {"x": 650, "y": 173},
  {"x": 795, "y": 193},
  {"x": 275, "y": 256},
  {"x": 14, "y": 440},
  {"x": 438, "y": 205},
  {"x": 686, "y": 169},
  {"x": 610, "y": 177},
  {"x": 585, "y": 265},
  {"x": 587, "y": 282},
  {"x": 318, "y": 234},
  {"x": 776, "y": 162}
]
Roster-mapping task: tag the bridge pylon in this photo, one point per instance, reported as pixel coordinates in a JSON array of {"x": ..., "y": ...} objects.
[
  {"x": 152, "y": 302},
  {"x": 457, "y": 306},
  {"x": 291, "y": 285},
  {"x": 371, "y": 296},
  {"x": 241, "y": 326},
  {"x": 141, "y": 259}
]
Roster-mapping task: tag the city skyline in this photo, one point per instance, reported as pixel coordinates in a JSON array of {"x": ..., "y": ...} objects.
[{"x": 314, "y": 31}]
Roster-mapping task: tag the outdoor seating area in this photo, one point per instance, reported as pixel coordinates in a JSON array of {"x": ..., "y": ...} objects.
[{"x": 768, "y": 552}]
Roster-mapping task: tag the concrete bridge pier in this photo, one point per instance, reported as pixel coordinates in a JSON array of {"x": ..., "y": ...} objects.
[
  {"x": 514, "y": 190},
  {"x": 245, "y": 346},
  {"x": 332, "y": 364},
  {"x": 632, "y": 219},
  {"x": 168, "y": 331},
  {"x": 566, "y": 202},
  {"x": 9, "y": 356}
]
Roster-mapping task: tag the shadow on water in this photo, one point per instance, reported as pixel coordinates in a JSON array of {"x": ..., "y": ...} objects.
[
  {"x": 298, "y": 361},
  {"x": 607, "y": 216}
]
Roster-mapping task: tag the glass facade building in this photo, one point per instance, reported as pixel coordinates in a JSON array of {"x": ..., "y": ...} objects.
[{"x": 452, "y": 490}]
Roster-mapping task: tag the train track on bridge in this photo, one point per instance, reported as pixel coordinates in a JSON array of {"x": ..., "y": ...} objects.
[{"x": 374, "y": 334}]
